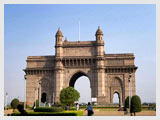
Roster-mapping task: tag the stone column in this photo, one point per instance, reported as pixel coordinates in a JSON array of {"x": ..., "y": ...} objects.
[
  {"x": 59, "y": 75},
  {"x": 101, "y": 85}
]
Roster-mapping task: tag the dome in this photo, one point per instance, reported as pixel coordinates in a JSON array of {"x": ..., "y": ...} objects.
[
  {"x": 59, "y": 33},
  {"x": 99, "y": 31},
  {"x": 66, "y": 40}
]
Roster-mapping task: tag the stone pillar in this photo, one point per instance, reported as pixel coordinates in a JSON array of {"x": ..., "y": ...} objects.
[
  {"x": 133, "y": 84},
  {"x": 59, "y": 76},
  {"x": 101, "y": 85},
  {"x": 59, "y": 70},
  {"x": 100, "y": 74}
]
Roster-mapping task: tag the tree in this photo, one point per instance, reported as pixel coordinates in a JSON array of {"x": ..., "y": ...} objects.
[
  {"x": 126, "y": 105},
  {"x": 14, "y": 103},
  {"x": 136, "y": 104},
  {"x": 69, "y": 95},
  {"x": 127, "y": 102}
]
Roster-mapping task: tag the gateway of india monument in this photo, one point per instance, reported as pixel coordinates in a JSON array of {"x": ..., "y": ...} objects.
[{"x": 108, "y": 74}]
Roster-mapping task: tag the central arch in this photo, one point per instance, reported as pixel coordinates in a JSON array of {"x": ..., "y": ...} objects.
[
  {"x": 73, "y": 80},
  {"x": 76, "y": 76}
]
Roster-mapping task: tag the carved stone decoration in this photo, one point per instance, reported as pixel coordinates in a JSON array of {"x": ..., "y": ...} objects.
[{"x": 108, "y": 73}]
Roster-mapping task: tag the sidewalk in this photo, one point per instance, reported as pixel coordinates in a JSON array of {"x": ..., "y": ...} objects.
[
  {"x": 120, "y": 113},
  {"x": 9, "y": 111}
]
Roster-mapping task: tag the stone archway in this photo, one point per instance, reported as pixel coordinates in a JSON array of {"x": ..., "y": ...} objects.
[
  {"x": 45, "y": 90},
  {"x": 44, "y": 97},
  {"x": 118, "y": 97},
  {"x": 74, "y": 79},
  {"x": 90, "y": 58},
  {"x": 116, "y": 87},
  {"x": 75, "y": 76}
]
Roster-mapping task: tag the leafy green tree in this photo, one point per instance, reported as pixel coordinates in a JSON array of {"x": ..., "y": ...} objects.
[
  {"x": 14, "y": 103},
  {"x": 127, "y": 102},
  {"x": 69, "y": 95},
  {"x": 136, "y": 104}
]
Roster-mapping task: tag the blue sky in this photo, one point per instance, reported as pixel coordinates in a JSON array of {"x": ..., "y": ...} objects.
[{"x": 30, "y": 30}]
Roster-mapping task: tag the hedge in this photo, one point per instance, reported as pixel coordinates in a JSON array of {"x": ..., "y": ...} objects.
[
  {"x": 48, "y": 109},
  {"x": 96, "y": 107},
  {"x": 65, "y": 113}
]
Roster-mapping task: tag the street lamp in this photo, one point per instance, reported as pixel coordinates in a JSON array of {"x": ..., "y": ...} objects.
[
  {"x": 40, "y": 82},
  {"x": 53, "y": 98},
  {"x": 130, "y": 91},
  {"x": 25, "y": 91},
  {"x": 35, "y": 97},
  {"x": 6, "y": 99}
]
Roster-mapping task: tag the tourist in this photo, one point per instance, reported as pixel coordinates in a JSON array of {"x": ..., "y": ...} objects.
[
  {"x": 125, "y": 111},
  {"x": 89, "y": 109},
  {"x": 77, "y": 106},
  {"x": 67, "y": 107},
  {"x": 120, "y": 108}
]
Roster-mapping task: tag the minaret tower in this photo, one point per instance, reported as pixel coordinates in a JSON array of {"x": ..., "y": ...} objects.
[
  {"x": 59, "y": 70},
  {"x": 100, "y": 71},
  {"x": 100, "y": 42},
  {"x": 59, "y": 43}
]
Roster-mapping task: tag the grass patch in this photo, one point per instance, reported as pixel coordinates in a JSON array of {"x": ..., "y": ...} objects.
[
  {"x": 64, "y": 113},
  {"x": 48, "y": 109},
  {"x": 107, "y": 109}
]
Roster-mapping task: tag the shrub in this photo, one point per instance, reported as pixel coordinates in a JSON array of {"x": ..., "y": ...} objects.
[
  {"x": 136, "y": 104},
  {"x": 14, "y": 103},
  {"x": 72, "y": 108},
  {"x": 58, "y": 104},
  {"x": 22, "y": 103},
  {"x": 69, "y": 95},
  {"x": 126, "y": 105},
  {"x": 20, "y": 108},
  {"x": 48, "y": 109}
]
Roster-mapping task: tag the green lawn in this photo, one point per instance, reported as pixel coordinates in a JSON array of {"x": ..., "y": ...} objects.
[{"x": 64, "y": 113}]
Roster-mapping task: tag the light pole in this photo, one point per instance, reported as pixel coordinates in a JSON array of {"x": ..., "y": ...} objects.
[
  {"x": 35, "y": 97},
  {"x": 53, "y": 99},
  {"x": 130, "y": 91},
  {"x": 6, "y": 99},
  {"x": 25, "y": 91},
  {"x": 40, "y": 82}
]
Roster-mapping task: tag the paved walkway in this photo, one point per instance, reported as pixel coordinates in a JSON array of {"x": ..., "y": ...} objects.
[
  {"x": 105, "y": 113},
  {"x": 120, "y": 113},
  {"x": 9, "y": 111}
]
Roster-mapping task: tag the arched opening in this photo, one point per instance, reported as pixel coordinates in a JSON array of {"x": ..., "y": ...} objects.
[
  {"x": 44, "y": 96},
  {"x": 116, "y": 98},
  {"x": 81, "y": 83}
]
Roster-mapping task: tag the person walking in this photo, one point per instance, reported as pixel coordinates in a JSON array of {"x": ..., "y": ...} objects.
[
  {"x": 89, "y": 109},
  {"x": 77, "y": 106}
]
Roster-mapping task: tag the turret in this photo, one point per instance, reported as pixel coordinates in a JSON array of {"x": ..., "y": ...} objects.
[
  {"x": 59, "y": 43},
  {"x": 59, "y": 37},
  {"x": 100, "y": 42},
  {"x": 100, "y": 74},
  {"x": 99, "y": 36}
]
